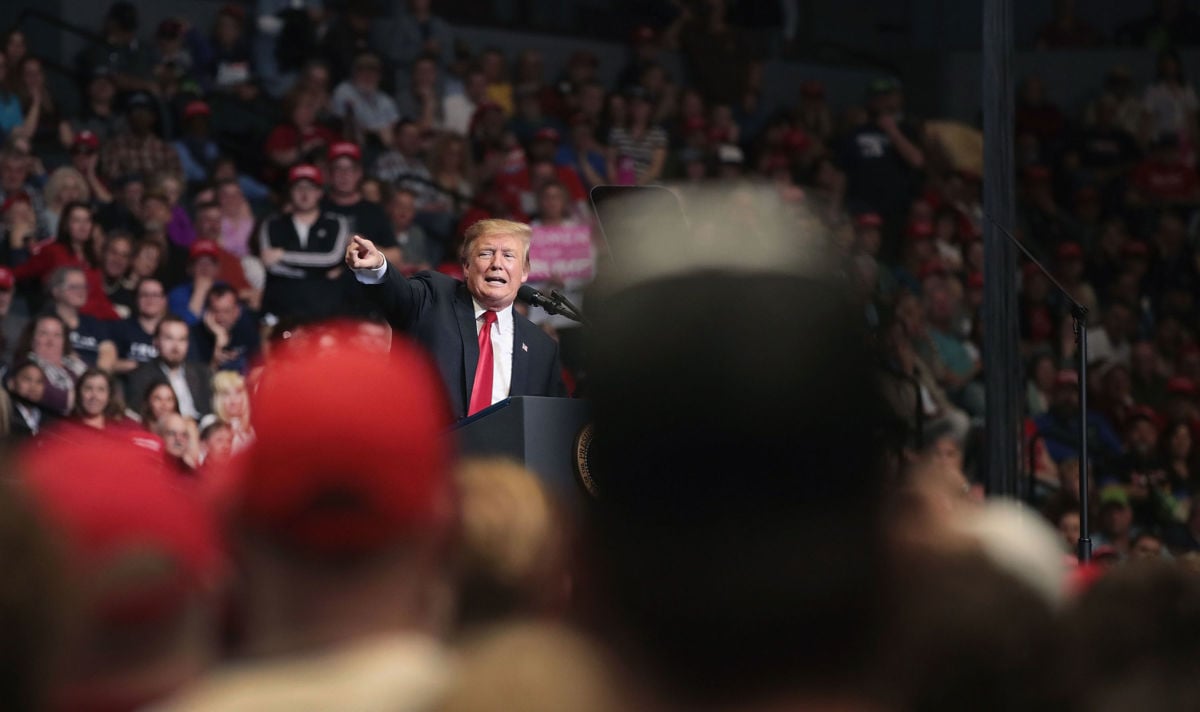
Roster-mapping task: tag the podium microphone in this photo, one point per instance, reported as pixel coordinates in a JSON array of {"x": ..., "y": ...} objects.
[{"x": 534, "y": 298}]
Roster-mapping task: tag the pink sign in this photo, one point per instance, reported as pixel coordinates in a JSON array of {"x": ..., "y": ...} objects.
[{"x": 561, "y": 252}]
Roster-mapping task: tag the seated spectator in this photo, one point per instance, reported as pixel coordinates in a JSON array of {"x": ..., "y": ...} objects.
[
  {"x": 223, "y": 59},
  {"x": 525, "y": 183},
  {"x": 227, "y": 336},
  {"x": 583, "y": 153},
  {"x": 402, "y": 165},
  {"x": 97, "y": 403},
  {"x": 149, "y": 260},
  {"x": 37, "y": 100},
  {"x": 1116, "y": 522},
  {"x": 181, "y": 443},
  {"x": 20, "y": 227},
  {"x": 231, "y": 406},
  {"x": 1046, "y": 222},
  {"x": 417, "y": 250},
  {"x": 197, "y": 150},
  {"x": 495, "y": 70},
  {"x": 303, "y": 249},
  {"x": 74, "y": 246},
  {"x": 440, "y": 205},
  {"x": 137, "y": 149},
  {"x": 26, "y": 389},
  {"x": 237, "y": 218},
  {"x": 345, "y": 196},
  {"x": 1162, "y": 179},
  {"x": 1111, "y": 343},
  {"x": 417, "y": 32},
  {"x": 98, "y": 118},
  {"x": 16, "y": 180},
  {"x": 45, "y": 343},
  {"x": 359, "y": 101},
  {"x": 561, "y": 253},
  {"x": 459, "y": 109},
  {"x": 422, "y": 100},
  {"x": 637, "y": 150},
  {"x": 204, "y": 272},
  {"x": 216, "y": 444},
  {"x": 12, "y": 321},
  {"x": 65, "y": 186},
  {"x": 912, "y": 392},
  {"x": 301, "y": 139},
  {"x": 133, "y": 335},
  {"x": 188, "y": 379},
  {"x": 89, "y": 337},
  {"x": 13, "y": 120},
  {"x": 121, "y": 53},
  {"x": 160, "y": 207},
  {"x": 115, "y": 261},
  {"x": 1059, "y": 427},
  {"x": 158, "y": 401},
  {"x": 145, "y": 566}
]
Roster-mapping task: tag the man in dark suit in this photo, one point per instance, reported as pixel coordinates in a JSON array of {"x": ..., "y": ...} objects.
[
  {"x": 453, "y": 319},
  {"x": 192, "y": 382}
]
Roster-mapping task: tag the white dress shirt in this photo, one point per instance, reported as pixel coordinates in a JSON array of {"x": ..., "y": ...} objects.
[
  {"x": 183, "y": 393},
  {"x": 503, "y": 331}
]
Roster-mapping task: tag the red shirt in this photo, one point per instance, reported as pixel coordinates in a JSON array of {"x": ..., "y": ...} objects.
[
  {"x": 54, "y": 255},
  {"x": 1172, "y": 181}
]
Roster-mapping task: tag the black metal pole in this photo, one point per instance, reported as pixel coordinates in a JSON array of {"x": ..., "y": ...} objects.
[
  {"x": 1079, "y": 314},
  {"x": 1002, "y": 366}
]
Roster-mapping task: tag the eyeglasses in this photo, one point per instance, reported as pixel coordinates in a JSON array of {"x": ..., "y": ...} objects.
[{"x": 151, "y": 295}]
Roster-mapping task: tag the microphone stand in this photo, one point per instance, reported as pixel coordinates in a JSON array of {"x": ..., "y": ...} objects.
[
  {"x": 1079, "y": 325},
  {"x": 567, "y": 308}
]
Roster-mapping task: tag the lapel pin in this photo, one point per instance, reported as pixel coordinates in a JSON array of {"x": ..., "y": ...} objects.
[{"x": 524, "y": 347}]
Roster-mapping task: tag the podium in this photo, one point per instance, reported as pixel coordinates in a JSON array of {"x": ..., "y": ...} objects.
[{"x": 539, "y": 432}]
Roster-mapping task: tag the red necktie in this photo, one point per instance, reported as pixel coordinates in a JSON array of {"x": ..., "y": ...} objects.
[{"x": 481, "y": 394}]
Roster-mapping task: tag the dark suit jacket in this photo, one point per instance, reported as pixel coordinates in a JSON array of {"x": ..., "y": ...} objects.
[
  {"x": 437, "y": 311},
  {"x": 197, "y": 375}
]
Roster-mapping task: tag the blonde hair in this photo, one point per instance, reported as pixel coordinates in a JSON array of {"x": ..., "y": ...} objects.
[
  {"x": 511, "y": 537},
  {"x": 494, "y": 226},
  {"x": 59, "y": 178},
  {"x": 222, "y": 381}
]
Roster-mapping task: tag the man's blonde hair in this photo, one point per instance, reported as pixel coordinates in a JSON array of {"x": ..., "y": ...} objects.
[{"x": 495, "y": 227}]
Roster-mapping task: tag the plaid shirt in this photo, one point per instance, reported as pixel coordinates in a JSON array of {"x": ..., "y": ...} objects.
[{"x": 127, "y": 154}]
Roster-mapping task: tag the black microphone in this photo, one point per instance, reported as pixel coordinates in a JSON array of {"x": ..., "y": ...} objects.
[{"x": 534, "y": 298}]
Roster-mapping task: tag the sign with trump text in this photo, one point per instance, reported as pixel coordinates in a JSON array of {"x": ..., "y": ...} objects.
[{"x": 561, "y": 253}]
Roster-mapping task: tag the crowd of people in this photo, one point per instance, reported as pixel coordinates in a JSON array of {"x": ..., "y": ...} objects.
[{"x": 178, "y": 240}]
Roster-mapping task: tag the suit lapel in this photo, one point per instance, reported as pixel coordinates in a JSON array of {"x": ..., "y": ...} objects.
[
  {"x": 464, "y": 312},
  {"x": 520, "y": 356}
]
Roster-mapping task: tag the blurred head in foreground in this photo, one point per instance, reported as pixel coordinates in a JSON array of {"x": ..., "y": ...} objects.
[
  {"x": 32, "y": 603},
  {"x": 737, "y": 460},
  {"x": 513, "y": 544},
  {"x": 534, "y": 667},
  {"x": 345, "y": 490},
  {"x": 143, "y": 565}
]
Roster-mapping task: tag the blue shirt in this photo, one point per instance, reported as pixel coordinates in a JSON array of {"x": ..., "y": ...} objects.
[{"x": 11, "y": 115}]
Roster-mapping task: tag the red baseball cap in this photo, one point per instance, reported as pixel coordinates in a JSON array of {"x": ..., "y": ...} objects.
[
  {"x": 866, "y": 220},
  {"x": 812, "y": 89},
  {"x": 337, "y": 469},
  {"x": 86, "y": 139},
  {"x": 18, "y": 197},
  {"x": 7, "y": 280},
  {"x": 196, "y": 108},
  {"x": 204, "y": 248},
  {"x": 1070, "y": 251},
  {"x": 1134, "y": 248},
  {"x": 1181, "y": 385},
  {"x": 920, "y": 230},
  {"x": 307, "y": 172},
  {"x": 546, "y": 134},
  {"x": 1067, "y": 377},
  {"x": 932, "y": 268},
  {"x": 345, "y": 149},
  {"x": 1037, "y": 173},
  {"x": 135, "y": 536}
]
